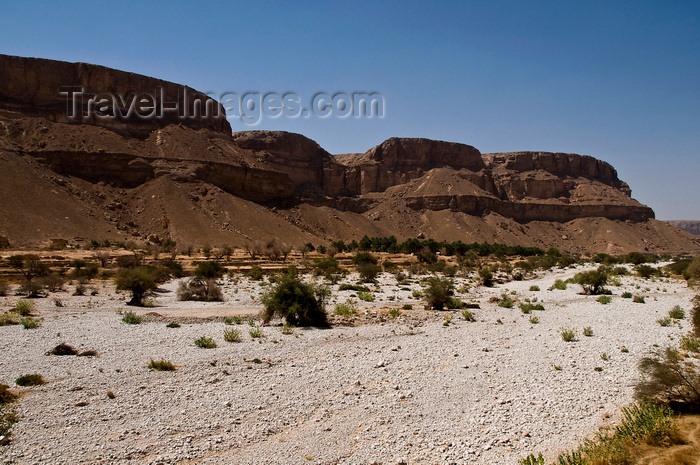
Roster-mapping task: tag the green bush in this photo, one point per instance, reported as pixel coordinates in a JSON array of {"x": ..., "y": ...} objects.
[
  {"x": 534, "y": 288},
  {"x": 368, "y": 271},
  {"x": 327, "y": 267},
  {"x": 528, "y": 307},
  {"x": 604, "y": 299},
  {"x": 299, "y": 303},
  {"x": 626, "y": 295},
  {"x": 506, "y": 301},
  {"x": 24, "y": 307},
  {"x": 211, "y": 269},
  {"x": 588, "y": 331},
  {"x": 468, "y": 315},
  {"x": 638, "y": 299},
  {"x": 665, "y": 321},
  {"x": 593, "y": 282},
  {"x": 172, "y": 325},
  {"x": 160, "y": 365},
  {"x": 204, "y": 342},
  {"x": 438, "y": 292},
  {"x": 353, "y": 287},
  {"x": 365, "y": 296},
  {"x": 534, "y": 320},
  {"x": 486, "y": 276},
  {"x": 559, "y": 285},
  {"x": 255, "y": 273},
  {"x": 646, "y": 271},
  {"x": 29, "y": 323},
  {"x": 30, "y": 380},
  {"x": 395, "y": 313},
  {"x": 346, "y": 309},
  {"x": 690, "y": 343},
  {"x": 131, "y": 318},
  {"x": 677, "y": 313}
]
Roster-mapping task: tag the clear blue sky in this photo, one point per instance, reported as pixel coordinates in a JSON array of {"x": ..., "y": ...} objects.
[{"x": 616, "y": 80}]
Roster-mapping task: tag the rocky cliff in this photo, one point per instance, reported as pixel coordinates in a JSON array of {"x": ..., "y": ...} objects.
[{"x": 192, "y": 180}]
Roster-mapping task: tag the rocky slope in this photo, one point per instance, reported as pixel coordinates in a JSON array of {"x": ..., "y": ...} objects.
[{"x": 192, "y": 180}]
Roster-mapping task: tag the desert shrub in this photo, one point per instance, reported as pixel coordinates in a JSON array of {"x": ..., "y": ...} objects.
[
  {"x": 426, "y": 255},
  {"x": 364, "y": 258},
  {"x": 368, "y": 271},
  {"x": 210, "y": 269},
  {"x": 232, "y": 335},
  {"x": 588, "y": 331},
  {"x": 255, "y": 332},
  {"x": 173, "y": 268},
  {"x": 455, "y": 303},
  {"x": 299, "y": 303},
  {"x": 395, "y": 312},
  {"x": 534, "y": 288},
  {"x": 138, "y": 281},
  {"x": 604, "y": 299},
  {"x": 326, "y": 267},
  {"x": 52, "y": 282},
  {"x": 353, "y": 287},
  {"x": 287, "y": 329},
  {"x": 389, "y": 266},
  {"x": 8, "y": 318},
  {"x": 129, "y": 261},
  {"x": 593, "y": 282},
  {"x": 198, "y": 289},
  {"x": 696, "y": 316},
  {"x": 407, "y": 307},
  {"x": 692, "y": 272},
  {"x": 690, "y": 343},
  {"x": 486, "y": 276},
  {"x": 438, "y": 292},
  {"x": 638, "y": 299},
  {"x": 365, "y": 296},
  {"x": 24, "y": 307},
  {"x": 30, "y": 323},
  {"x": 346, "y": 309},
  {"x": 468, "y": 315},
  {"x": 172, "y": 325},
  {"x": 30, "y": 380},
  {"x": 559, "y": 285},
  {"x": 534, "y": 320},
  {"x": 506, "y": 301},
  {"x": 131, "y": 318},
  {"x": 677, "y": 313},
  {"x": 568, "y": 334},
  {"x": 160, "y": 365},
  {"x": 63, "y": 349},
  {"x": 255, "y": 273},
  {"x": 528, "y": 307},
  {"x": 533, "y": 459},
  {"x": 666, "y": 376},
  {"x": 32, "y": 289},
  {"x": 626, "y": 295},
  {"x": 204, "y": 342},
  {"x": 665, "y": 321},
  {"x": 646, "y": 271},
  {"x": 233, "y": 320}
]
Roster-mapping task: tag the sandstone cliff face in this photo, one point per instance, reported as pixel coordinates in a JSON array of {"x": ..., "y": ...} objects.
[
  {"x": 32, "y": 86},
  {"x": 113, "y": 176}
]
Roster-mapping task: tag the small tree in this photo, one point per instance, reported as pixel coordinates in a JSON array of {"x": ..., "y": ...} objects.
[
  {"x": 137, "y": 280},
  {"x": 593, "y": 282},
  {"x": 299, "y": 303},
  {"x": 486, "y": 276},
  {"x": 367, "y": 265}
]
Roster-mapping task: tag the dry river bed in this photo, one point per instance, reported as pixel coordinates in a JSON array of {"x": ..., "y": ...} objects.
[{"x": 404, "y": 390}]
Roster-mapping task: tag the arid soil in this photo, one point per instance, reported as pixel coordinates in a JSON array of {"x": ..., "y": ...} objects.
[{"x": 414, "y": 389}]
